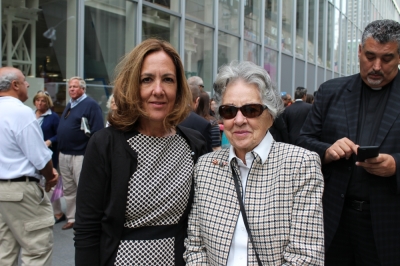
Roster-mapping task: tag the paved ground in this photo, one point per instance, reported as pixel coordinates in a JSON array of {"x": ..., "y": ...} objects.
[{"x": 63, "y": 249}]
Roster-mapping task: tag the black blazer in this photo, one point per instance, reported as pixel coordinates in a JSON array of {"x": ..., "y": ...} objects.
[
  {"x": 294, "y": 117},
  {"x": 334, "y": 115},
  {"x": 99, "y": 220},
  {"x": 196, "y": 122}
]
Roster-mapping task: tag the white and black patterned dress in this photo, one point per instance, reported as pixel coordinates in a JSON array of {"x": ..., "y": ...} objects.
[{"x": 159, "y": 198}]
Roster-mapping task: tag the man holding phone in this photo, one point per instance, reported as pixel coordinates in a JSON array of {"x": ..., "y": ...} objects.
[{"x": 361, "y": 198}]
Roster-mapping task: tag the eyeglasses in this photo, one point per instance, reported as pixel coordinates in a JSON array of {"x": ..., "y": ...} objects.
[
  {"x": 45, "y": 92},
  {"x": 248, "y": 110}
]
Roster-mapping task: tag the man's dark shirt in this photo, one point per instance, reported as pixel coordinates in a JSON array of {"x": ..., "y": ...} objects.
[{"x": 372, "y": 107}]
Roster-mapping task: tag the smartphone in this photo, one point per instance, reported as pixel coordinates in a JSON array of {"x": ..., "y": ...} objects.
[{"x": 366, "y": 152}]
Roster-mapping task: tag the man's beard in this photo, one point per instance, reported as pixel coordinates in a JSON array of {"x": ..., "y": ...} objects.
[{"x": 375, "y": 81}]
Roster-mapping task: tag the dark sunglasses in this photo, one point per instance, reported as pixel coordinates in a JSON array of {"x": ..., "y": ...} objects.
[
  {"x": 45, "y": 92},
  {"x": 248, "y": 110}
]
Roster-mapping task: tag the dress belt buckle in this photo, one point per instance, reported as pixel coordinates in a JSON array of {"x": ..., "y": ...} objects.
[{"x": 357, "y": 205}]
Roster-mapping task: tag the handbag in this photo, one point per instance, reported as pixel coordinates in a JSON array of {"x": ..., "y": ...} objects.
[
  {"x": 242, "y": 210},
  {"x": 58, "y": 190}
]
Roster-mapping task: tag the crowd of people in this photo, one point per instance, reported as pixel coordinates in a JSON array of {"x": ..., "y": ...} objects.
[{"x": 157, "y": 185}]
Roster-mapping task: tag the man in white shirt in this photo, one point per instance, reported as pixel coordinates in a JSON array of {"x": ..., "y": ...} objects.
[{"x": 26, "y": 215}]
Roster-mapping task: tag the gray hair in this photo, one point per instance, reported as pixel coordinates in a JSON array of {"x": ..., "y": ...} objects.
[
  {"x": 382, "y": 31},
  {"x": 195, "y": 80},
  {"x": 82, "y": 82},
  {"x": 249, "y": 73},
  {"x": 6, "y": 79}
]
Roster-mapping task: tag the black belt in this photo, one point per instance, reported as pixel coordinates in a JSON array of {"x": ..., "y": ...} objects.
[
  {"x": 21, "y": 179},
  {"x": 358, "y": 205}
]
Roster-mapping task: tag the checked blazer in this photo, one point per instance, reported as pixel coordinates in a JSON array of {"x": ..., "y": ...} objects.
[
  {"x": 283, "y": 203},
  {"x": 334, "y": 115}
]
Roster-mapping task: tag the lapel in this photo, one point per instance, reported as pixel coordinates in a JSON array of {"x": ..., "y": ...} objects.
[
  {"x": 352, "y": 96},
  {"x": 391, "y": 111}
]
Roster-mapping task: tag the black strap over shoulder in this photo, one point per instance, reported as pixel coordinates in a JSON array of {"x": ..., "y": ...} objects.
[{"x": 242, "y": 210}]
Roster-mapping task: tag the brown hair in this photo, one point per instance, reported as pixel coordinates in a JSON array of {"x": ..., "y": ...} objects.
[
  {"x": 127, "y": 87},
  {"x": 203, "y": 109},
  {"x": 45, "y": 96}
]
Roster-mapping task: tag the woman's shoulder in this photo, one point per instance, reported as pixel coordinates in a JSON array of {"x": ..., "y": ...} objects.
[
  {"x": 285, "y": 150},
  {"x": 107, "y": 133}
]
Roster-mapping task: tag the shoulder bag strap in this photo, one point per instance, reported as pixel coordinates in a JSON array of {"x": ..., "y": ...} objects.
[{"x": 246, "y": 223}]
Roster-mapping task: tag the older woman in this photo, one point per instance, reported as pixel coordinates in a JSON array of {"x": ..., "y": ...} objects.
[
  {"x": 258, "y": 202},
  {"x": 135, "y": 189},
  {"x": 48, "y": 121}
]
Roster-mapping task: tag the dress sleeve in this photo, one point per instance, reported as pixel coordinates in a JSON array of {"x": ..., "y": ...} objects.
[{"x": 92, "y": 189}]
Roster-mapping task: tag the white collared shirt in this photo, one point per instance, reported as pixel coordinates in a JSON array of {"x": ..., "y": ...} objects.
[
  {"x": 41, "y": 117},
  {"x": 77, "y": 101},
  {"x": 238, "y": 250},
  {"x": 22, "y": 149}
]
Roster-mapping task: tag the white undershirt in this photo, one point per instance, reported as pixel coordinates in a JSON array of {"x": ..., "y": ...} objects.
[{"x": 238, "y": 251}]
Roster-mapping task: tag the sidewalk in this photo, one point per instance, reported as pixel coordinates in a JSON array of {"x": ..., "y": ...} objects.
[{"x": 63, "y": 248}]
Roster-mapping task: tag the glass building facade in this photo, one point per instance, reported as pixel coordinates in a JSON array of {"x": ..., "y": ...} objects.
[{"x": 299, "y": 42}]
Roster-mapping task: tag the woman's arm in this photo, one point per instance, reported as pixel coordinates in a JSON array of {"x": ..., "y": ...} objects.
[
  {"x": 55, "y": 120},
  {"x": 306, "y": 239},
  {"x": 90, "y": 202},
  {"x": 195, "y": 253}
]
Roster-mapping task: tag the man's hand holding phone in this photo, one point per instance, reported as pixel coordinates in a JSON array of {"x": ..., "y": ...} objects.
[{"x": 375, "y": 163}]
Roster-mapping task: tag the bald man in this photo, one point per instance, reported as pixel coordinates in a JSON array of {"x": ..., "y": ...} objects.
[{"x": 26, "y": 214}]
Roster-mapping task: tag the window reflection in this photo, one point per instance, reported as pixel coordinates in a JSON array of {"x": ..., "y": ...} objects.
[
  {"x": 199, "y": 53},
  {"x": 330, "y": 37},
  {"x": 228, "y": 48},
  {"x": 37, "y": 45},
  {"x": 271, "y": 63},
  {"x": 287, "y": 26},
  {"x": 252, "y": 20},
  {"x": 162, "y": 25},
  {"x": 271, "y": 23},
  {"x": 200, "y": 9},
  {"x": 343, "y": 52},
  {"x": 336, "y": 41},
  {"x": 311, "y": 29},
  {"x": 250, "y": 52},
  {"x": 228, "y": 17},
  {"x": 300, "y": 29},
  {"x": 321, "y": 32},
  {"x": 173, "y": 5},
  {"x": 350, "y": 44}
]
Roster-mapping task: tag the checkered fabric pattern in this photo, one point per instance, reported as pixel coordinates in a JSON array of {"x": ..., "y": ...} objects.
[
  {"x": 283, "y": 202},
  {"x": 146, "y": 252},
  {"x": 158, "y": 191},
  {"x": 158, "y": 194}
]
